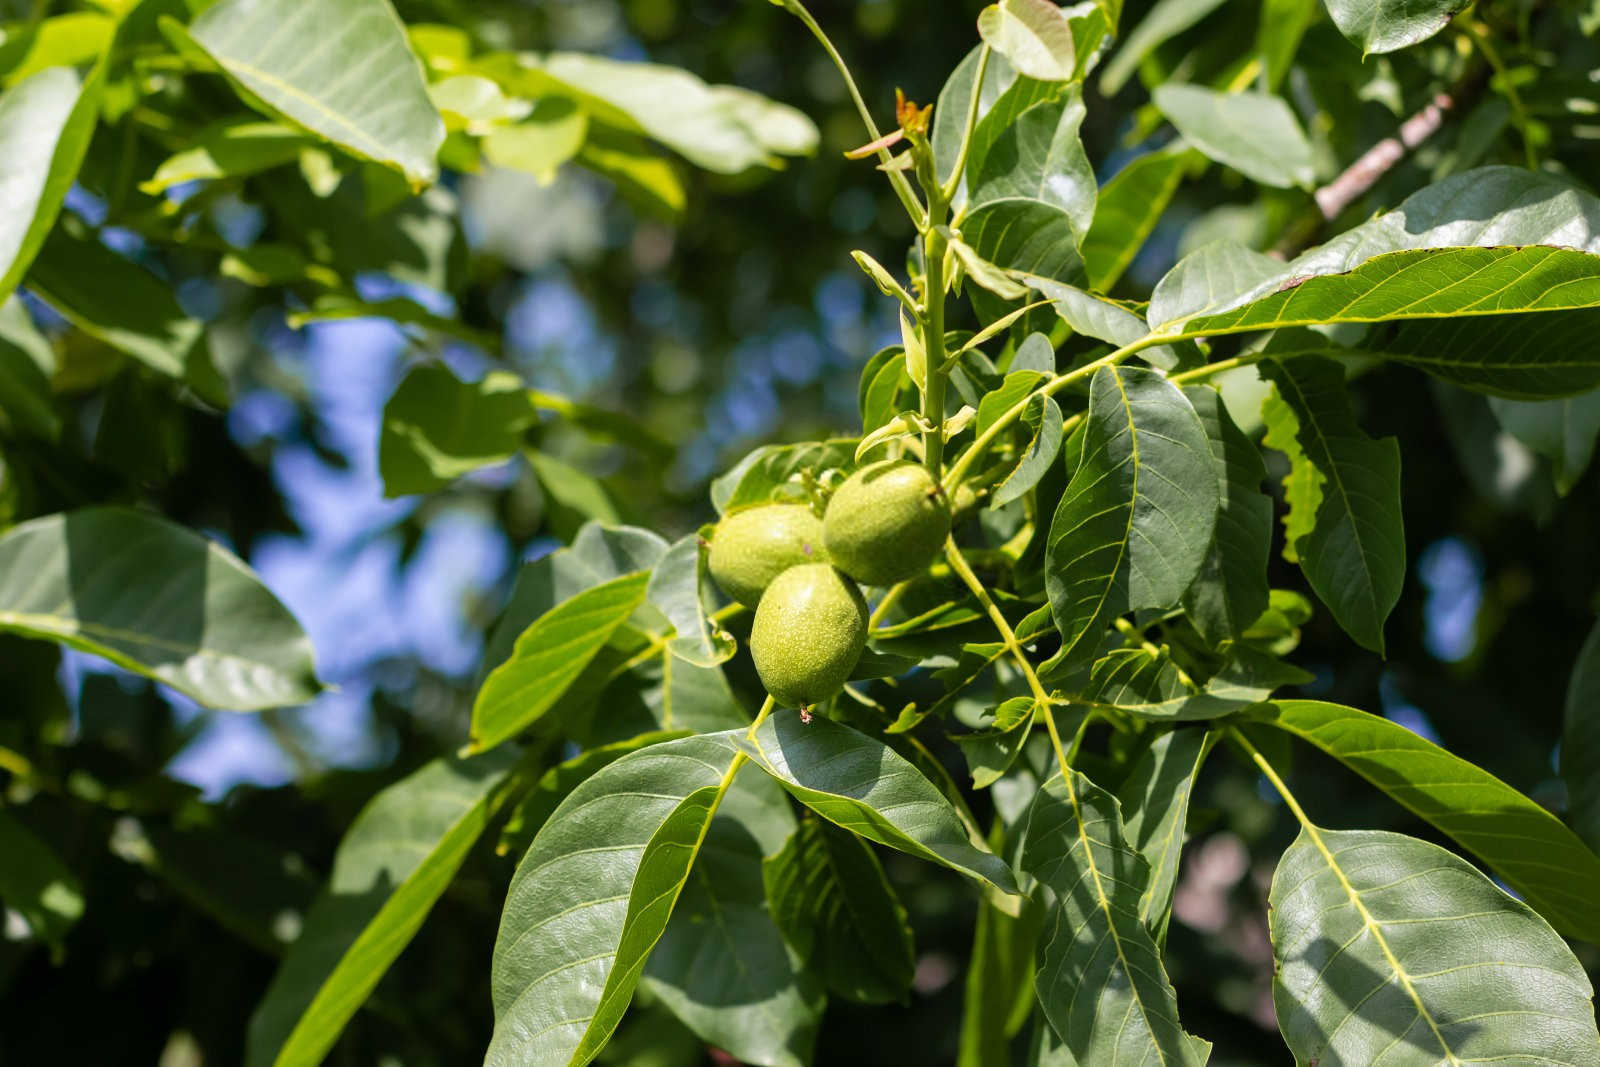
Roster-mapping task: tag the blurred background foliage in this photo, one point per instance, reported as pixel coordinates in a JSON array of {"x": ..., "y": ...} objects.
[{"x": 732, "y": 320}]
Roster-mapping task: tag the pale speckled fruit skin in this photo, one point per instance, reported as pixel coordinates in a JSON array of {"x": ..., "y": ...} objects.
[
  {"x": 884, "y": 523},
  {"x": 808, "y": 633},
  {"x": 754, "y": 546}
]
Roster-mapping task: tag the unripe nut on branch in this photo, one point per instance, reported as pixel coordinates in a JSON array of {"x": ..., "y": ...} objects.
[
  {"x": 808, "y": 633},
  {"x": 886, "y": 522},
  {"x": 752, "y": 547}
]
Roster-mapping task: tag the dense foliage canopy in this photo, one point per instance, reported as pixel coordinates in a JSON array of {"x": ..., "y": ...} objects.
[{"x": 483, "y": 574}]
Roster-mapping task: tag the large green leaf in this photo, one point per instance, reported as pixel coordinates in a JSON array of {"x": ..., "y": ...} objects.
[
  {"x": 120, "y": 303},
  {"x": 157, "y": 599},
  {"x": 1155, "y": 809},
  {"x": 1135, "y": 522},
  {"x": 1101, "y": 982},
  {"x": 1254, "y": 133},
  {"x": 1033, "y": 199},
  {"x": 549, "y": 656},
  {"x": 833, "y": 903},
  {"x": 1530, "y": 848},
  {"x": 1390, "y": 25},
  {"x": 46, "y": 121},
  {"x": 720, "y": 128},
  {"x": 1034, "y": 35},
  {"x": 869, "y": 789},
  {"x": 1164, "y": 21},
  {"x": 1127, "y": 210},
  {"x": 1393, "y": 950},
  {"x": 1230, "y": 592},
  {"x": 341, "y": 69},
  {"x": 1563, "y": 431},
  {"x": 437, "y": 427},
  {"x": 722, "y": 965},
  {"x": 1344, "y": 526},
  {"x": 1580, "y": 742},
  {"x": 36, "y": 884},
  {"x": 396, "y": 859},
  {"x": 593, "y": 894}
]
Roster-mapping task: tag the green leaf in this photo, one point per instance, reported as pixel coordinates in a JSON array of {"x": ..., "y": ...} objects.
[
  {"x": 1206, "y": 278},
  {"x": 1283, "y": 23},
  {"x": 1580, "y": 742},
  {"x": 1393, "y": 949},
  {"x": 1563, "y": 431},
  {"x": 120, "y": 303},
  {"x": 27, "y": 363},
  {"x": 1254, "y": 133},
  {"x": 883, "y": 384},
  {"x": 1107, "y": 320},
  {"x": 1128, "y": 208},
  {"x": 1390, "y": 25},
  {"x": 869, "y": 789},
  {"x": 437, "y": 427},
  {"x": 551, "y": 135},
  {"x": 1101, "y": 982},
  {"x": 1530, "y": 848},
  {"x": 69, "y": 40},
  {"x": 573, "y": 496},
  {"x": 1230, "y": 592},
  {"x": 999, "y": 986},
  {"x": 1135, "y": 523},
  {"x": 1151, "y": 686},
  {"x": 36, "y": 884},
  {"x": 593, "y": 894},
  {"x": 646, "y": 180},
  {"x": 677, "y": 587},
  {"x": 1034, "y": 199},
  {"x": 1165, "y": 20},
  {"x": 991, "y": 750},
  {"x": 1155, "y": 809},
  {"x": 549, "y": 656},
  {"x": 772, "y": 472},
  {"x": 1043, "y": 414},
  {"x": 1034, "y": 35},
  {"x": 722, "y": 965},
  {"x": 46, "y": 122},
  {"x": 720, "y": 128},
  {"x": 1345, "y": 523},
  {"x": 834, "y": 904},
  {"x": 157, "y": 599},
  {"x": 232, "y": 148},
  {"x": 395, "y": 861},
  {"x": 341, "y": 69}
]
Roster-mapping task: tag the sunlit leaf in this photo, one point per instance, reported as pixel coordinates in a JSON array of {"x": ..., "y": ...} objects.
[
  {"x": 1128, "y": 207},
  {"x": 232, "y": 148},
  {"x": 157, "y": 599},
  {"x": 36, "y": 884},
  {"x": 437, "y": 427},
  {"x": 1155, "y": 810},
  {"x": 1390, "y": 25},
  {"x": 1254, "y": 133},
  {"x": 1033, "y": 34}
]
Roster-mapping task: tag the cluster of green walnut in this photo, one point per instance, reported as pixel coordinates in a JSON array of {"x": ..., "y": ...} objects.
[{"x": 882, "y": 525}]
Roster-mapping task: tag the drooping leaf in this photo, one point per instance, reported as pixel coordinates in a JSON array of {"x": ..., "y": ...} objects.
[
  {"x": 1135, "y": 522},
  {"x": 1393, "y": 950},
  {"x": 341, "y": 69},
  {"x": 1563, "y": 431},
  {"x": 1390, "y": 25},
  {"x": 1128, "y": 207},
  {"x": 1164, "y": 21},
  {"x": 157, "y": 599},
  {"x": 46, "y": 121},
  {"x": 1155, "y": 809},
  {"x": 1254, "y": 133},
  {"x": 1527, "y": 846},
  {"x": 232, "y": 148},
  {"x": 1346, "y": 522},
  {"x": 722, "y": 965},
  {"x": 593, "y": 894},
  {"x": 1100, "y": 981},
  {"x": 834, "y": 904},
  {"x": 1043, "y": 415},
  {"x": 395, "y": 861},
  {"x": 1580, "y": 742},
  {"x": 1230, "y": 592},
  {"x": 36, "y": 884},
  {"x": 437, "y": 427},
  {"x": 869, "y": 789},
  {"x": 549, "y": 656},
  {"x": 1034, "y": 35},
  {"x": 125, "y": 306}
]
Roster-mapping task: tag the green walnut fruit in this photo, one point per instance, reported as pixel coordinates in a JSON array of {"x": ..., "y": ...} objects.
[
  {"x": 885, "y": 523},
  {"x": 754, "y": 546},
  {"x": 808, "y": 633}
]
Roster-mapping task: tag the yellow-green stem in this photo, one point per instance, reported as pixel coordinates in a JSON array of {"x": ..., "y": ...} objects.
[
  {"x": 954, "y": 181},
  {"x": 933, "y": 344},
  {"x": 766, "y": 709}
]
